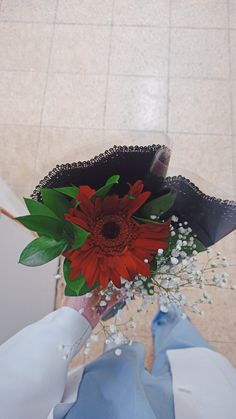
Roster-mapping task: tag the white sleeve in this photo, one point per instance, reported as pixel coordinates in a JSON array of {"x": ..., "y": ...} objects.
[
  {"x": 34, "y": 364},
  {"x": 204, "y": 384}
]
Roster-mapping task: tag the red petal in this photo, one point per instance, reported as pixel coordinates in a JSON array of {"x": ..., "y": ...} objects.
[
  {"x": 141, "y": 253},
  {"x": 80, "y": 221},
  {"x": 120, "y": 266},
  {"x": 115, "y": 278},
  {"x": 134, "y": 204},
  {"x": 154, "y": 231},
  {"x": 85, "y": 192},
  {"x": 110, "y": 202},
  {"x": 151, "y": 244},
  {"x": 136, "y": 188},
  {"x": 104, "y": 276},
  {"x": 141, "y": 267},
  {"x": 91, "y": 271}
]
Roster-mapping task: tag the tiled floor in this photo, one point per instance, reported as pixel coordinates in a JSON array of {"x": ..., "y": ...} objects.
[{"x": 78, "y": 76}]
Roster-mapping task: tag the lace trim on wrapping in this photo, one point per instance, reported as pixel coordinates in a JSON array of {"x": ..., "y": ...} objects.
[
  {"x": 89, "y": 163},
  {"x": 112, "y": 152},
  {"x": 172, "y": 180}
]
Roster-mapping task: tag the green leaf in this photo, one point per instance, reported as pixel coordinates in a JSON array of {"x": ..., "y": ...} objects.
[
  {"x": 43, "y": 225},
  {"x": 158, "y": 206},
  {"x": 200, "y": 247},
  {"x": 41, "y": 251},
  {"x": 70, "y": 191},
  {"x": 148, "y": 286},
  {"x": 69, "y": 292},
  {"x": 103, "y": 191},
  {"x": 80, "y": 236},
  {"x": 56, "y": 202},
  {"x": 79, "y": 285},
  {"x": 146, "y": 221},
  {"x": 187, "y": 249},
  {"x": 85, "y": 289},
  {"x": 37, "y": 208}
]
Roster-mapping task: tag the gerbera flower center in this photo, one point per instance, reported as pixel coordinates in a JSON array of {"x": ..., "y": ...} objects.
[
  {"x": 112, "y": 233},
  {"x": 111, "y": 230}
]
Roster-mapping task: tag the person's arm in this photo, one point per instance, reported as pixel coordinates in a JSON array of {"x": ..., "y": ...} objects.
[{"x": 34, "y": 362}]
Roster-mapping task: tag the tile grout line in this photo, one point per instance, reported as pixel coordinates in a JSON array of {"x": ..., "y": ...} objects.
[
  {"x": 168, "y": 72},
  {"x": 45, "y": 88},
  {"x": 209, "y": 134},
  {"x": 108, "y": 66},
  {"x": 231, "y": 100},
  {"x": 42, "y": 22},
  {"x": 147, "y": 76}
]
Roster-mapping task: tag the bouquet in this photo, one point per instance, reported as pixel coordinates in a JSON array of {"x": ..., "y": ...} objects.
[{"x": 118, "y": 221}]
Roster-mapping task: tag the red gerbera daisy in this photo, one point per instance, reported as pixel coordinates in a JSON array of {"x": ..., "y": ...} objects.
[{"x": 117, "y": 246}]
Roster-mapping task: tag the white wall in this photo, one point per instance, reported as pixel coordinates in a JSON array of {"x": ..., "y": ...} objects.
[{"x": 26, "y": 294}]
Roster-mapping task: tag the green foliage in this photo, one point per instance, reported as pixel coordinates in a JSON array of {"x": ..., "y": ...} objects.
[
  {"x": 70, "y": 191},
  {"x": 148, "y": 286},
  {"x": 187, "y": 249},
  {"x": 42, "y": 250},
  {"x": 103, "y": 191},
  {"x": 80, "y": 236},
  {"x": 37, "y": 208},
  {"x": 43, "y": 225},
  {"x": 146, "y": 221},
  {"x": 158, "y": 206},
  {"x": 56, "y": 202},
  {"x": 79, "y": 285}
]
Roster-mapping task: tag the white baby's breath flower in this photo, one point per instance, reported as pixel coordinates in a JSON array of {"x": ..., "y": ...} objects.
[{"x": 174, "y": 260}]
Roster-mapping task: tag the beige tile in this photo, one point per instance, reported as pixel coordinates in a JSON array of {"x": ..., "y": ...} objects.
[
  {"x": 199, "y": 13},
  {"x": 199, "y": 53},
  {"x": 233, "y": 53},
  {"x": 24, "y": 46},
  {"x": 66, "y": 145},
  {"x": 226, "y": 349},
  {"x": 234, "y": 105},
  {"x": 227, "y": 247},
  {"x": 232, "y": 13},
  {"x": 234, "y": 163},
  {"x": 219, "y": 319},
  {"x": 21, "y": 96},
  {"x": 136, "y": 103},
  {"x": 139, "y": 51},
  {"x": 80, "y": 49},
  {"x": 138, "y": 12},
  {"x": 218, "y": 322},
  {"x": 199, "y": 106},
  {"x": 18, "y": 145},
  {"x": 133, "y": 137},
  {"x": 85, "y": 11},
  {"x": 74, "y": 100},
  {"x": 199, "y": 158},
  {"x": 23, "y": 189},
  {"x": 28, "y": 11}
]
